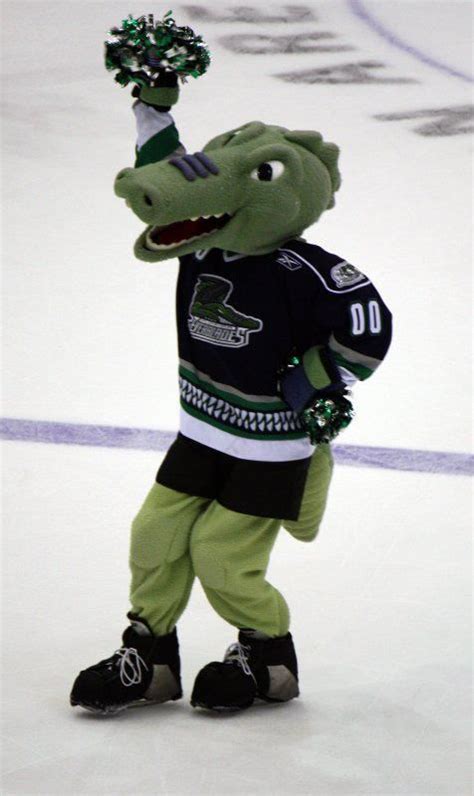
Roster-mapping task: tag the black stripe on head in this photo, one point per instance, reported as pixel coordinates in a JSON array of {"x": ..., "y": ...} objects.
[
  {"x": 184, "y": 167},
  {"x": 207, "y": 162},
  {"x": 196, "y": 164}
]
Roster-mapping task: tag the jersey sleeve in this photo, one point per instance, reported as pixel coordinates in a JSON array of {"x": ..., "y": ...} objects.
[
  {"x": 359, "y": 328},
  {"x": 157, "y": 135},
  {"x": 346, "y": 322}
]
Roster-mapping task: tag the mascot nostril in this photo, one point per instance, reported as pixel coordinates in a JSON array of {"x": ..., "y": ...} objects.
[{"x": 272, "y": 331}]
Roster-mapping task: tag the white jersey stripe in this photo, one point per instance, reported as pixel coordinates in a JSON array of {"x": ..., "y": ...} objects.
[
  {"x": 149, "y": 122},
  {"x": 241, "y": 447}
]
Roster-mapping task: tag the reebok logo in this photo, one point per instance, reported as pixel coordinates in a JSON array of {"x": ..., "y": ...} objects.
[{"x": 288, "y": 261}]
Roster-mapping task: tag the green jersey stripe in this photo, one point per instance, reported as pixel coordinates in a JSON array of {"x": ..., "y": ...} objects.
[
  {"x": 256, "y": 423},
  {"x": 360, "y": 371},
  {"x": 159, "y": 146},
  {"x": 352, "y": 356},
  {"x": 232, "y": 397},
  {"x": 238, "y": 432}
]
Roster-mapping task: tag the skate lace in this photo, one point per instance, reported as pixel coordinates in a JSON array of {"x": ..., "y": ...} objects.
[
  {"x": 131, "y": 665},
  {"x": 238, "y": 653}
]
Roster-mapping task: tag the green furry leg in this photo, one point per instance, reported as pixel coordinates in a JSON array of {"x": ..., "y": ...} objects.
[
  {"x": 177, "y": 536},
  {"x": 162, "y": 571},
  {"x": 230, "y": 553}
]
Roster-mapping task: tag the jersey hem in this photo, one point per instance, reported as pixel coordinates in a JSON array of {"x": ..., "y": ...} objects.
[{"x": 241, "y": 447}]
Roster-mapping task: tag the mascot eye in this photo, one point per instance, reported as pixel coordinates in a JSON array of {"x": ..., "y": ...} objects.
[{"x": 268, "y": 171}]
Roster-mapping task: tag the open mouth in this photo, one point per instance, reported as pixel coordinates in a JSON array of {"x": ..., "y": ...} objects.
[{"x": 167, "y": 237}]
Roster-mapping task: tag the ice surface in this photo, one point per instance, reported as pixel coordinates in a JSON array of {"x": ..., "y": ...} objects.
[
  {"x": 379, "y": 619},
  {"x": 380, "y": 602}
]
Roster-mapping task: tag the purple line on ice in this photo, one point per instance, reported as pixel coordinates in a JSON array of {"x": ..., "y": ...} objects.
[
  {"x": 53, "y": 433},
  {"x": 358, "y": 9}
]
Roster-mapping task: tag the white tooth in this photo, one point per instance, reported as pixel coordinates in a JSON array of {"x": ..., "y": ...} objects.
[
  {"x": 158, "y": 246},
  {"x": 150, "y": 244}
]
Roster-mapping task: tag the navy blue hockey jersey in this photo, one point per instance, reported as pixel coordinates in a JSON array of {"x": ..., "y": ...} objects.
[{"x": 241, "y": 317}]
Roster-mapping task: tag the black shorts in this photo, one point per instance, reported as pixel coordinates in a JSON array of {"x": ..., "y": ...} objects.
[{"x": 262, "y": 489}]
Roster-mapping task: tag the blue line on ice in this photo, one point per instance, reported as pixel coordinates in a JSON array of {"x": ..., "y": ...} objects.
[
  {"x": 359, "y": 10},
  {"x": 155, "y": 440}
]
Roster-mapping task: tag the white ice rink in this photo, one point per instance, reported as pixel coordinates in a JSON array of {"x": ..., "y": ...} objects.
[{"x": 381, "y": 601}]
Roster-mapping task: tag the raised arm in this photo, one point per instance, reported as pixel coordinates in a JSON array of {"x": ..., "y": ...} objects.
[{"x": 157, "y": 135}]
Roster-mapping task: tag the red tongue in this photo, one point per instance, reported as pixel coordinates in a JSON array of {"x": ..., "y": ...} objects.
[{"x": 183, "y": 230}]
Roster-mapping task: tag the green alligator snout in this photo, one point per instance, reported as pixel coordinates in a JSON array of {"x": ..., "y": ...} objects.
[{"x": 140, "y": 193}]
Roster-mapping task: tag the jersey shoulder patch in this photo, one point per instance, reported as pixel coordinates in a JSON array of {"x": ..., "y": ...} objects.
[
  {"x": 335, "y": 274},
  {"x": 344, "y": 274}
]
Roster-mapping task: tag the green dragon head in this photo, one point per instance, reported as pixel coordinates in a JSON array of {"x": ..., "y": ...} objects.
[{"x": 249, "y": 191}]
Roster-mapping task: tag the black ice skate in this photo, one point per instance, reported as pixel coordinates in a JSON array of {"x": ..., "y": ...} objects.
[
  {"x": 144, "y": 671},
  {"x": 263, "y": 668}
]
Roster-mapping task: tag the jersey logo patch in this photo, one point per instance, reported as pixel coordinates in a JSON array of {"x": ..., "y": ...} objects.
[
  {"x": 344, "y": 274},
  {"x": 213, "y": 320},
  {"x": 289, "y": 262}
]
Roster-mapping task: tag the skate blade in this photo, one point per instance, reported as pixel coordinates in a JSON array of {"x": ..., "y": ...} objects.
[
  {"x": 273, "y": 701},
  {"x": 221, "y": 708},
  {"x": 112, "y": 710}
]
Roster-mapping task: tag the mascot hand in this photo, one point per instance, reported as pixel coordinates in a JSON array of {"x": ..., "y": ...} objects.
[
  {"x": 313, "y": 388},
  {"x": 315, "y": 374},
  {"x": 326, "y": 417},
  {"x": 162, "y": 94}
]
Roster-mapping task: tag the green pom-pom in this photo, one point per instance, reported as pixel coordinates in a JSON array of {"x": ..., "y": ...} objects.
[
  {"x": 141, "y": 48},
  {"x": 326, "y": 417}
]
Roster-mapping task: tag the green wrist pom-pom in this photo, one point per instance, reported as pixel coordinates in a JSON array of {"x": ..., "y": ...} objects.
[
  {"x": 142, "y": 48},
  {"x": 326, "y": 417}
]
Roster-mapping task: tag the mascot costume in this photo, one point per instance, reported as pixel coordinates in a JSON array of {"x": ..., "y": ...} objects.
[{"x": 272, "y": 331}]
